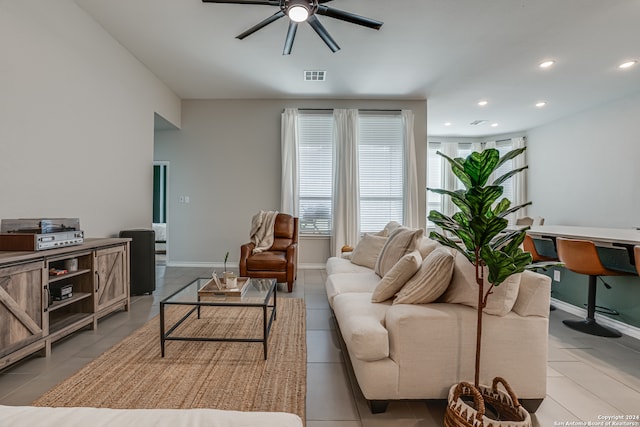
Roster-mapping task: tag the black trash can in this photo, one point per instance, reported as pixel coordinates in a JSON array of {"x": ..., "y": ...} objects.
[{"x": 142, "y": 262}]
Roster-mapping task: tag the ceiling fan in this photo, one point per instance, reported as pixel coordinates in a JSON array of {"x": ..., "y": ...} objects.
[{"x": 300, "y": 11}]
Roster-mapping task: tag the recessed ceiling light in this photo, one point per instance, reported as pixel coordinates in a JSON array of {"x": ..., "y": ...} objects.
[
  {"x": 483, "y": 103},
  {"x": 447, "y": 124},
  {"x": 627, "y": 64},
  {"x": 540, "y": 104},
  {"x": 494, "y": 125},
  {"x": 546, "y": 64}
]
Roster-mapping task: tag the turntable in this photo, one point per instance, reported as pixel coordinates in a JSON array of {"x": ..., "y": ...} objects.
[{"x": 36, "y": 234}]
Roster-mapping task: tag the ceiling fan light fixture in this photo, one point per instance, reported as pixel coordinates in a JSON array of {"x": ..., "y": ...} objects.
[{"x": 298, "y": 11}]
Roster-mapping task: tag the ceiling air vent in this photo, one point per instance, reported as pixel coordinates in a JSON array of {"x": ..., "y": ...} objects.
[
  {"x": 315, "y": 76},
  {"x": 478, "y": 122}
]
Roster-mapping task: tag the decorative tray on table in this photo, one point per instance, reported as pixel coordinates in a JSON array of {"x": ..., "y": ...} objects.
[{"x": 211, "y": 288}]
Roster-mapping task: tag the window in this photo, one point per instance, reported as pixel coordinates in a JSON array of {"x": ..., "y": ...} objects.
[
  {"x": 381, "y": 168},
  {"x": 504, "y": 147},
  {"x": 315, "y": 162},
  {"x": 381, "y": 164}
]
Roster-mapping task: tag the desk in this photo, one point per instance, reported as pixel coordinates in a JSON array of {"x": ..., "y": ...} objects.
[{"x": 602, "y": 237}]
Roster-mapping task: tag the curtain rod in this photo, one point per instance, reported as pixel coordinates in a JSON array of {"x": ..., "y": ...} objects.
[{"x": 359, "y": 109}]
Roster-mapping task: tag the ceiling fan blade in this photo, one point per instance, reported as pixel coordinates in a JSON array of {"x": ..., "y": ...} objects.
[
  {"x": 279, "y": 14},
  {"x": 349, "y": 17},
  {"x": 322, "y": 32},
  {"x": 265, "y": 2},
  {"x": 291, "y": 35}
]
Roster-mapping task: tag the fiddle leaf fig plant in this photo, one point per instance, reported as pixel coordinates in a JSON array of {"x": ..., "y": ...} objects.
[{"x": 479, "y": 229}]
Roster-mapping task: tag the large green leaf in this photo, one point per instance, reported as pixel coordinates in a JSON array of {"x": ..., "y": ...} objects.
[
  {"x": 508, "y": 175},
  {"x": 479, "y": 166},
  {"x": 502, "y": 265},
  {"x": 486, "y": 229},
  {"x": 513, "y": 209},
  {"x": 457, "y": 167},
  {"x": 482, "y": 198},
  {"x": 450, "y": 243},
  {"x": 504, "y": 238},
  {"x": 502, "y": 206},
  {"x": 510, "y": 155},
  {"x": 458, "y": 196}
]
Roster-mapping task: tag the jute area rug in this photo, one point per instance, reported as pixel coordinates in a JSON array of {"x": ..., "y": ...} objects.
[{"x": 222, "y": 375}]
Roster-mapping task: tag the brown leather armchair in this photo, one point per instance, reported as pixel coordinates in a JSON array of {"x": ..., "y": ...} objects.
[{"x": 281, "y": 260}]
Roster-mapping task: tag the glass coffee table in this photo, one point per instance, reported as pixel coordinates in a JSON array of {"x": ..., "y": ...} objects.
[{"x": 259, "y": 293}]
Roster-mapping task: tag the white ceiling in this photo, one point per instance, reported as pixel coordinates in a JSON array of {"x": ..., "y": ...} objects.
[{"x": 451, "y": 52}]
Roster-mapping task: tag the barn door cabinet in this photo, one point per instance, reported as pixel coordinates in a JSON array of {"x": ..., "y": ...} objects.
[
  {"x": 22, "y": 325},
  {"x": 32, "y": 313}
]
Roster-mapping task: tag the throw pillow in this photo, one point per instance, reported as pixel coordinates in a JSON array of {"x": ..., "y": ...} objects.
[
  {"x": 430, "y": 281},
  {"x": 464, "y": 290},
  {"x": 388, "y": 229},
  {"x": 401, "y": 241},
  {"x": 427, "y": 245},
  {"x": 395, "y": 278},
  {"x": 367, "y": 250}
]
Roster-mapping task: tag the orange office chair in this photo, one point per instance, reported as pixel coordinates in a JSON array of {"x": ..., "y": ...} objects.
[
  {"x": 581, "y": 256},
  {"x": 637, "y": 258},
  {"x": 529, "y": 246}
]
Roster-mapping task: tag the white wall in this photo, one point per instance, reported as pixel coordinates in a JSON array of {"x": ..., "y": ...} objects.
[
  {"x": 76, "y": 120},
  {"x": 226, "y": 158},
  {"x": 583, "y": 170}
]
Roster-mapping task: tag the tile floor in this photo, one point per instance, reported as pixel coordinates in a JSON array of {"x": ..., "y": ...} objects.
[{"x": 587, "y": 376}]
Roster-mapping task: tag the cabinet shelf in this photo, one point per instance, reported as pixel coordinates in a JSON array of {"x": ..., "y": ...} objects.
[
  {"x": 77, "y": 296},
  {"x": 69, "y": 323},
  {"x": 68, "y": 275}
]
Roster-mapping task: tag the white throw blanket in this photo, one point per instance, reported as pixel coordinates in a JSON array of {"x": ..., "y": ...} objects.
[{"x": 262, "y": 230}]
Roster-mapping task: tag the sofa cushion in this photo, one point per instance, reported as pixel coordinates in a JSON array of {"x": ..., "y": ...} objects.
[
  {"x": 401, "y": 241},
  {"x": 362, "y": 325},
  {"x": 431, "y": 280},
  {"x": 464, "y": 290},
  {"x": 395, "y": 278},
  {"x": 534, "y": 295},
  {"x": 367, "y": 250},
  {"x": 342, "y": 283},
  {"x": 336, "y": 265}
]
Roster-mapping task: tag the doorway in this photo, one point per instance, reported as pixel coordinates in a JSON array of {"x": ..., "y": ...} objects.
[{"x": 160, "y": 197}]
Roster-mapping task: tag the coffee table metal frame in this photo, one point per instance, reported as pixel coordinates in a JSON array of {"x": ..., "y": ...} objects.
[{"x": 267, "y": 319}]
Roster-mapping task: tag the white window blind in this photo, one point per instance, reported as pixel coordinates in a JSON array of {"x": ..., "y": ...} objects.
[
  {"x": 381, "y": 163},
  {"x": 508, "y": 191},
  {"x": 315, "y": 157}
]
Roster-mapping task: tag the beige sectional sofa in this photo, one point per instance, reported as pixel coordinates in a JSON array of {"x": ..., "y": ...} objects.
[
  {"x": 418, "y": 351},
  {"x": 20, "y": 416}
]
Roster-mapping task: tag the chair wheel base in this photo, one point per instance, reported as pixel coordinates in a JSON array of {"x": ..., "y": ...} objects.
[{"x": 592, "y": 328}]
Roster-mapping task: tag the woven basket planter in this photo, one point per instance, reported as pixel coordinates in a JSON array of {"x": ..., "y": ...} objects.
[{"x": 491, "y": 407}]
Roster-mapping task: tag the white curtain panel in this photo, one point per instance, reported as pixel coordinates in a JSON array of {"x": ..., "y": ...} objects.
[
  {"x": 289, "y": 152},
  {"x": 346, "y": 193},
  {"x": 450, "y": 179},
  {"x": 520, "y": 179},
  {"x": 411, "y": 211}
]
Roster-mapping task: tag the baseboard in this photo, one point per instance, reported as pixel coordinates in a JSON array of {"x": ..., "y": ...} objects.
[
  {"x": 312, "y": 266},
  {"x": 234, "y": 266},
  {"x": 622, "y": 327},
  {"x": 220, "y": 265}
]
